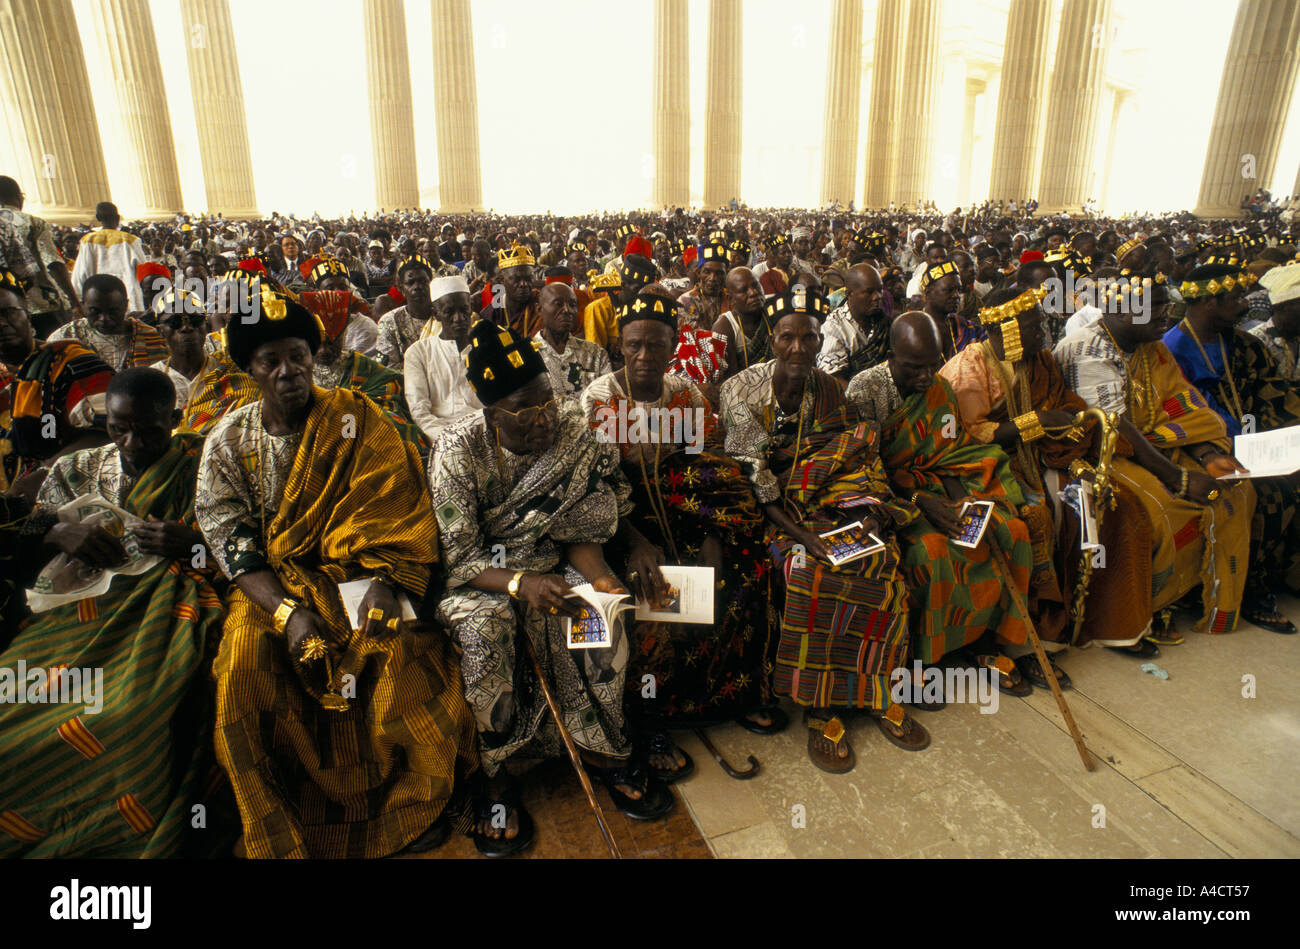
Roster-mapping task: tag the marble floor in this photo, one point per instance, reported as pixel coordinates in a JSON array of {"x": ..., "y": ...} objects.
[{"x": 1187, "y": 766}]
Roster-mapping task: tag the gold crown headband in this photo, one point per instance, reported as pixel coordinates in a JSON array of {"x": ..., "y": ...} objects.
[
  {"x": 990, "y": 315},
  {"x": 1122, "y": 250},
  {"x": 517, "y": 255},
  {"x": 937, "y": 272},
  {"x": 1196, "y": 289},
  {"x": 1135, "y": 288}
]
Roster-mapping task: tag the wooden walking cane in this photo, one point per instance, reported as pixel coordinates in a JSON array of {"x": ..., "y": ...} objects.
[
  {"x": 1001, "y": 558},
  {"x": 573, "y": 752}
]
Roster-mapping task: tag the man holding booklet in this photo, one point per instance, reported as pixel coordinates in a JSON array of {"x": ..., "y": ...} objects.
[
  {"x": 525, "y": 496},
  {"x": 815, "y": 468}
]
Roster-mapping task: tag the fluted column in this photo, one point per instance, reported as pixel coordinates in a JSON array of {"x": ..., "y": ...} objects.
[
  {"x": 460, "y": 183},
  {"x": 392, "y": 120},
  {"x": 920, "y": 102},
  {"x": 1073, "y": 106},
  {"x": 1017, "y": 133},
  {"x": 843, "y": 85},
  {"x": 672, "y": 105},
  {"x": 974, "y": 88},
  {"x": 725, "y": 99},
  {"x": 1116, "y": 109},
  {"x": 219, "y": 108},
  {"x": 130, "y": 53},
  {"x": 45, "y": 94},
  {"x": 886, "y": 94},
  {"x": 1259, "y": 76}
]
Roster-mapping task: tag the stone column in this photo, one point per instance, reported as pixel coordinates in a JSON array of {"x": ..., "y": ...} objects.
[
  {"x": 672, "y": 104},
  {"x": 723, "y": 105},
  {"x": 45, "y": 94},
  {"x": 1073, "y": 106},
  {"x": 1018, "y": 129},
  {"x": 974, "y": 89},
  {"x": 219, "y": 108},
  {"x": 1117, "y": 107},
  {"x": 392, "y": 120},
  {"x": 886, "y": 94},
  {"x": 460, "y": 183},
  {"x": 920, "y": 103},
  {"x": 843, "y": 93},
  {"x": 1259, "y": 77},
  {"x": 130, "y": 53}
]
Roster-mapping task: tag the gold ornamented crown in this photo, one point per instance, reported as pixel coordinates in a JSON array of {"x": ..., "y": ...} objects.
[
  {"x": 517, "y": 255},
  {"x": 990, "y": 315}
]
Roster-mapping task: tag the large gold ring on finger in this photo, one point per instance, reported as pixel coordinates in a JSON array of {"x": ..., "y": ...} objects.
[
  {"x": 392, "y": 624},
  {"x": 553, "y": 611},
  {"x": 1214, "y": 494},
  {"x": 313, "y": 647},
  {"x": 375, "y": 613}
]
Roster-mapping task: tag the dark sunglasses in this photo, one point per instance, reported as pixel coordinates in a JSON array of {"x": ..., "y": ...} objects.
[{"x": 177, "y": 320}]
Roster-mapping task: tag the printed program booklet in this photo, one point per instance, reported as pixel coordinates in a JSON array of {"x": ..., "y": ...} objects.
[
  {"x": 1267, "y": 454},
  {"x": 689, "y": 599},
  {"x": 592, "y": 627},
  {"x": 352, "y": 592},
  {"x": 974, "y": 517},
  {"x": 847, "y": 545}
]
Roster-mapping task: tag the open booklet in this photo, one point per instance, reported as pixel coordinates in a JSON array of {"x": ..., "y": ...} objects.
[
  {"x": 68, "y": 579},
  {"x": 974, "y": 517},
  {"x": 352, "y": 592},
  {"x": 1267, "y": 454},
  {"x": 846, "y": 543},
  {"x": 592, "y": 628},
  {"x": 689, "y": 599}
]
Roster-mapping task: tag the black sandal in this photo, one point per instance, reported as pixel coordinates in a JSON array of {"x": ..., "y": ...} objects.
[
  {"x": 1031, "y": 670},
  {"x": 780, "y": 721},
  {"x": 1142, "y": 649},
  {"x": 655, "y": 800},
  {"x": 1266, "y": 606},
  {"x": 1010, "y": 680},
  {"x": 658, "y": 743},
  {"x": 504, "y": 846}
]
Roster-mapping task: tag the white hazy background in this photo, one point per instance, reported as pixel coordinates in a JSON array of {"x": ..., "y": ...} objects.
[{"x": 565, "y": 91}]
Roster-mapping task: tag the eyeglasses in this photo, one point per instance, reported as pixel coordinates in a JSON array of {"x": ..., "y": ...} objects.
[
  {"x": 176, "y": 320},
  {"x": 528, "y": 417}
]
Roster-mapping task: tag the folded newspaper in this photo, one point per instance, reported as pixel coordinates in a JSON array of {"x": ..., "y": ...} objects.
[{"x": 66, "y": 579}]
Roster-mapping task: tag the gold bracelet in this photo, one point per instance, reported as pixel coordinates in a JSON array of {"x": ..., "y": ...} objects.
[
  {"x": 283, "y": 612},
  {"x": 1031, "y": 429}
]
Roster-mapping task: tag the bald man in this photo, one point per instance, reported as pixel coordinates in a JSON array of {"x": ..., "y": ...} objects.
[
  {"x": 856, "y": 334},
  {"x": 743, "y": 325},
  {"x": 935, "y": 464},
  {"x": 573, "y": 363}
]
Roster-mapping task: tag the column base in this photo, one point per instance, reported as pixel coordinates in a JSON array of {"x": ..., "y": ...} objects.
[
  {"x": 1232, "y": 213},
  {"x": 64, "y": 215}
]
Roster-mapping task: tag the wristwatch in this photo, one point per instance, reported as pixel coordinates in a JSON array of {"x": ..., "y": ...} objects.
[
  {"x": 513, "y": 586},
  {"x": 283, "y": 612}
]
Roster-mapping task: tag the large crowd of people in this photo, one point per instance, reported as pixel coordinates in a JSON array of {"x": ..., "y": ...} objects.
[{"x": 365, "y": 463}]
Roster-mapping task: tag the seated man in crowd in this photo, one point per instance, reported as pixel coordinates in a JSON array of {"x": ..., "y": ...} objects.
[
  {"x": 1200, "y": 527},
  {"x": 514, "y": 305},
  {"x": 360, "y": 332},
  {"x": 941, "y": 290},
  {"x": 703, "y": 303},
  {"x": 856, "y": 334},
  {"x": 60, "y": 378},
  {"x": 401, "y": 327},
  {"x": 743, "y": 326},
  {"x": 690, "y": 503},
  {"x": 600, "y": 318},
  {"x": 118, "y": 339},
  {"x": 814, "y": 468},
  {"x": 146, "y": 638},
  {"x": 437, "y": 389},
  {"x": 1011, "y": 393},
  {"x": 1240, "y": 380},
  {"x": 343, "y": 735},
  {"x": 573, "y": 362},
  {"x": 522, "y": 490},
  {"x": 960, "y": 593}
]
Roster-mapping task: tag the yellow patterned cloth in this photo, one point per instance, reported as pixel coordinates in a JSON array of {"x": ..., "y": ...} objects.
[{"x": 367, "y": 781}]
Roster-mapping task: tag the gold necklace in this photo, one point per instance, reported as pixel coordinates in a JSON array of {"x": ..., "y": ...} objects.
[
  {"x": 1140, "y": 379},
  {"x": 658, "y": 508},
  {"x": 798, "y": 437},
  {"x": 1227, "y": 368}
]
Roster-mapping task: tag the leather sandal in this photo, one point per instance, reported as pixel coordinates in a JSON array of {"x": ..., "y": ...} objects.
[
  {"x": 658, "y": 743},
  {"x": 914, "y": 737},
  {"x": 504, "y": 846},
  {"x": 780, "y": 721},
  {"x": 1031, "y": 670},
  {"x": 1142, "y": 649},
  {"x": 1010, "y": 680},
  {"x": 1264, "y": 614},
  {"x": 832, "y": 729},
  {"x": 655, "y": 800}
]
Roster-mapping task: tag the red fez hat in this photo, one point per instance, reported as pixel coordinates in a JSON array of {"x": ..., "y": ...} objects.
[
  {"x": 561, "y": 278},
  {"x": 639, "y": 245},
  {"x": 1029, "y": 255},
  {"x": 252, "y": 264},
  {"x": 396, "y": 294},
  {"x": 150, "y": 269},
  {"x": 689, "y": 255}
]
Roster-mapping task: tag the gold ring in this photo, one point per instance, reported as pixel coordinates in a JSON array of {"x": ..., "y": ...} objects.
[
  {"x": 1214, "y": 494},
  {"x": 553, "y": 611},
  {"x": 392, "y": 624},
  {"x": 375, "y": 613},
  {"x": 313, "y": 647}
]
